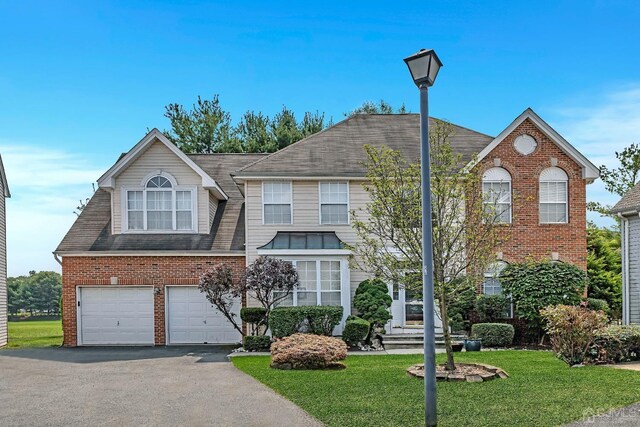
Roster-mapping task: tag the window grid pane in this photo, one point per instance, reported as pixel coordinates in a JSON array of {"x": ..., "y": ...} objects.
[
  {"x": 277, "y": 214},
  {"x": 184, "y": 213},
  {"x": 277, "y": 202},
  {"x": 497, "y": 199},
  {"x": 334, "y": 200},
  {"x": 553, "y": 202}
]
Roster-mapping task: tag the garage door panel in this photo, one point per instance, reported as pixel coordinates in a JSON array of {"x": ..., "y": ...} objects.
[
  {"x": 193, "y": 320},
  {"x": 113, "y": 316}
]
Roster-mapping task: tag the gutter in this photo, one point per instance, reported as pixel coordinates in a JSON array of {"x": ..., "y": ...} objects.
[{"x": 57, "y": 258}]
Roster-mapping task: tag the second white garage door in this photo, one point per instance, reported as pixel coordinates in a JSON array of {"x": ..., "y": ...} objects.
[{"x": 193, "y": 320}]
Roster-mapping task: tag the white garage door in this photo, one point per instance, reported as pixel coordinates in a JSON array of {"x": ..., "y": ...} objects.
[
  {"x": 193, "y": 320},
  {"x": 118, "y": 316}
]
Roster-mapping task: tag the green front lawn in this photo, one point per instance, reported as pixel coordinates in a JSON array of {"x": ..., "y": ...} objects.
[
  {"x": 35, "y": 333},
  {"x": 375, "y": 390}
]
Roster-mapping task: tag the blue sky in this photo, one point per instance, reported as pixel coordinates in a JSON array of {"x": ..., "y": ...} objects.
[{"x": 80, "y": 82}]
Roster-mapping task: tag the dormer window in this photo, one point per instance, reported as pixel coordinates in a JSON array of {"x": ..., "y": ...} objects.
[{"x": 160, "y": 206}]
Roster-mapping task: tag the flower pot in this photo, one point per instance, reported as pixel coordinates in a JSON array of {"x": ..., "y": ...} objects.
[
  {"x": 473, "y": 344},
  {"x": 457, "y": 346}
]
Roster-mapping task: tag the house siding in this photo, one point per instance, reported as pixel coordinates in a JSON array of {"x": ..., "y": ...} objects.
[
  {"x": 306, "y": 217},
  {"x": 634, "y": 268},
  {"x": 527, "y": 238},
  {"x": 4, "y": 333},
  {"x": 157, "y": 271},
  {"x": 159, "y": 157}
]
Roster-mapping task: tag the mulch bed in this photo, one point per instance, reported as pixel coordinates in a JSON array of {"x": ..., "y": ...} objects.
[{"x": 469, "y": 372}]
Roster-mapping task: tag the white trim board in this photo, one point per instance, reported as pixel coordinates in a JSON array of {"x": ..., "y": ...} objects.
[
  {"x": 589, "y": 171},
  {"x": 107, "y": 180}
]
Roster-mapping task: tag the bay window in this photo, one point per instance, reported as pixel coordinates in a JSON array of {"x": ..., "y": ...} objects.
[{"x": 320, "y": 283}]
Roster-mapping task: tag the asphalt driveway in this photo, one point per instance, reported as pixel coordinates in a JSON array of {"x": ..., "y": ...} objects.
[{"x": 164, "y": 386}]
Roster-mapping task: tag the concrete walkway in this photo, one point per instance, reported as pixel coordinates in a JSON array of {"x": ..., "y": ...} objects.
[{"x": 165, "y": 386}]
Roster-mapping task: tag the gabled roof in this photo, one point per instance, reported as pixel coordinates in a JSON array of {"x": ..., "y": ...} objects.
[
  {"x": 108, "y": 179},
  {"x": 91, "y": 232},
  {"x": 338, "y": 151},
  {"x": 589, "y": 171},
  {"x": 3, "y": 177},
  {"x": 630, "y": 202}
]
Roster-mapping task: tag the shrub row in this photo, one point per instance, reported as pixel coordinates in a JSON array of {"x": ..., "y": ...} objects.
[
  {"x": 493, "y": 334},
  {"x": 318, "y": 320},
  {"x": 256, "y": 342},
  {"x": 615, "y": 344},
  {"x": 355, "y": 331}
]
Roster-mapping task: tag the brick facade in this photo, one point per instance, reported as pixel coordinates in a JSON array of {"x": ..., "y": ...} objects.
[
  {"x": 157, "y": 271},
  {"x": 528, "y": 238}
]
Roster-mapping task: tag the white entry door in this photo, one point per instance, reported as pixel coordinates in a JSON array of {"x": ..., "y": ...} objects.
[
  {"x": 116, "y": 315},
  {"x": 193, "y": 320}
]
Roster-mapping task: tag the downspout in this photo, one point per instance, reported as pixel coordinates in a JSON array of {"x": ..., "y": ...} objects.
[{"x": 57, "y": 258}]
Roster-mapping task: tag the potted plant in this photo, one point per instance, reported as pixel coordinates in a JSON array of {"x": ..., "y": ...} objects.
[
  {"x": 473, "y": 344},
  {"x": 457, "y": 346}
]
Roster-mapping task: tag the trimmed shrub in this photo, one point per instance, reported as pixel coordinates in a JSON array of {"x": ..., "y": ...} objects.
[
  {"x": 372, "y": 301},
  {"x": 355, "y": 331},
  {"x": 493, "y": 334},
  {"x": 598, "y": 304},
  {"x": 319, "y": 320},
  {"x": 572, "y": 330},
  {"x": 253, "y": 315},
  {"x": 307, "y": 351},
  {"x": 256, "y": 342},
  {"x": 461, "y": 306},
  {"x": 615, "y": 344},
  {"x": 491, "y": 307}
]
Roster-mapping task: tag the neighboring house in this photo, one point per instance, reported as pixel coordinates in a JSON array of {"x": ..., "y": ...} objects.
[
  {"x": 628, "y": 210},
  {"x": 4, "y": 193},
  {"x": 160, "y": 218}
]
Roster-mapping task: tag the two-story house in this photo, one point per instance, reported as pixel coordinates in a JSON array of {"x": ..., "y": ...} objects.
[{"x": 160, "y": 218}]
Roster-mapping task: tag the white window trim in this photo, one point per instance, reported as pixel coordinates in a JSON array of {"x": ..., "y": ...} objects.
[
  {"x": 510, "y": 198},
  {"x": 290, "y": 203},
  {"x": 566, "y": 202},
  {"x": 320, "y": 203},
  {"x": 344, "y": 280},
  {"x": 124, "y": 226}
]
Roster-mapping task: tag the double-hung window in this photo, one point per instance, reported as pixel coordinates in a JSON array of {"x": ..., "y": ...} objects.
[
  {"x": 276, "y": 202},
  {"x": 334, "y": 203},
  {"x": 554, "y": 183},
  {"x": 496, "y": 190},
  {"x": 320, "y": 283},
  {"x": 159, "y": 206},
  {"x": 492, "y": 285}
]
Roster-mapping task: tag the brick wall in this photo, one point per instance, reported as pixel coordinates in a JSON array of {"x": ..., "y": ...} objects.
[
  {"x": 528, "y": 238},
  {"x": 157, "y": 271}
]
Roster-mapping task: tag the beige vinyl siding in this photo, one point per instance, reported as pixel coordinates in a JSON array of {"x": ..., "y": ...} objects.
[
  {"x": 634, "y": 269},
  {"x": 306, "y": 217},
  {"x": 159, "y": 157},
  {"x": 3, "y": 269},
  {"x": 213, "y": 207}
]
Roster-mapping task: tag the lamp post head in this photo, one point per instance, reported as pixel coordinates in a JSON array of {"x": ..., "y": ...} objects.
[{"x": 424, "y": 66}]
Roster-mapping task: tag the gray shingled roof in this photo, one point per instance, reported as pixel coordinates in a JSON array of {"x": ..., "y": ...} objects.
[
  {"x": 339, "y": 150},
  {"x": 92, "y": 229},
  {"x": 629, "y": 202}
]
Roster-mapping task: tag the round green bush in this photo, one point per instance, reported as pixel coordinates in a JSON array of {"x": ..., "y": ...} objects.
[
  {"x": 355, "y": 331},
  {"x": 493, "y": 334},
  {"x": 491, "y": 307},
  {"x": 256, "y": 342}
]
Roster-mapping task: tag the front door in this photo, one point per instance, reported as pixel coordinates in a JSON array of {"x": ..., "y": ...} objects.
[{"x": 407, "y": 312}]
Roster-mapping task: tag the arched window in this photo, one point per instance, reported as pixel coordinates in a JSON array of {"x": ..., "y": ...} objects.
[
  {"x": 160, "y": 206},
  {"x": 554, "y": 196},
  {"x": 491, "y": 284},
  {"x": 496, "y": 188}
]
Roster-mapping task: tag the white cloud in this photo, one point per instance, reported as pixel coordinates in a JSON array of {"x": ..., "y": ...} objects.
[
  {"x": 46, "y": 186},
  {"x": 599, "y": 126}
]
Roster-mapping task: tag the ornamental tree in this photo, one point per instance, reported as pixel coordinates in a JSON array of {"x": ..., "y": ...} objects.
[
  {"x": 270, "y": 281},
  {"x": 220, "y": 288},
  {"x": 466, "y": 224}
]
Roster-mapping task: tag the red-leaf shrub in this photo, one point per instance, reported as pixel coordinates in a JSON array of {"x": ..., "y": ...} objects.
[
  {"x": 307, "y": 351},
  {"x": 573, "y": 330}
]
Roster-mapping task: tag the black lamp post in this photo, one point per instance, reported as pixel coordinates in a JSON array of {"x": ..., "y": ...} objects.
[{"x": 424, "y": 66}]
